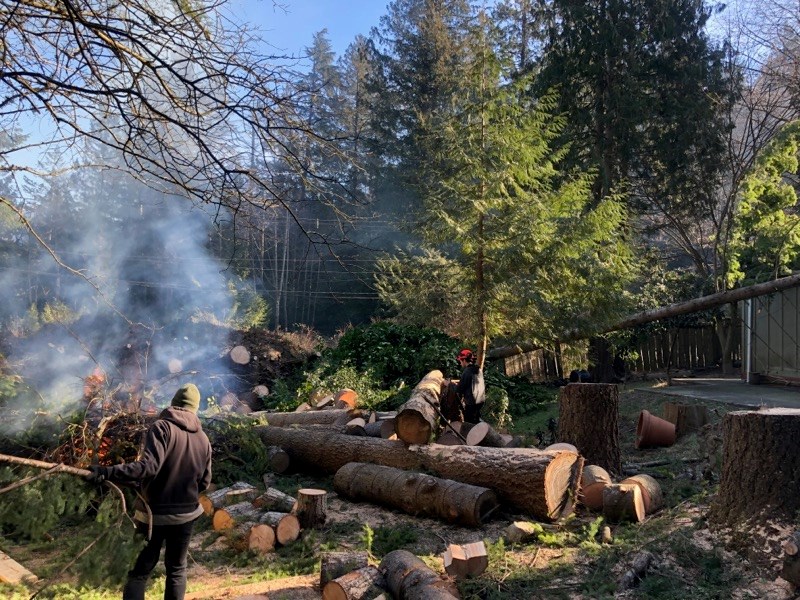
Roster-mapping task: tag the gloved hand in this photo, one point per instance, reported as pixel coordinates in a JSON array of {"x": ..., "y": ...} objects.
[{"x": 98, "y": 474}]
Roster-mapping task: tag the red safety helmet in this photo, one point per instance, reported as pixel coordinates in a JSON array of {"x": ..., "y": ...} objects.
[{"x": 465, "y": 354}]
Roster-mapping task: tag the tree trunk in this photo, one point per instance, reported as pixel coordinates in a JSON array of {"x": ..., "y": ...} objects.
[
  {"x": 686, "y": 417},
  {"x": 587, "y": 419},
  {"x": 760, "y": 464},
  {"x": 409, "y": 578},
  {"x": 362, "y": 584},
  {"x": 313, "y": 417},
  {"x": 274, "y": 499},
  {"x": 286, "y": 526},
  {"x": 543, "y": 484},
  {"x": 415, "y": 493},
  {"x": 336, "y": 564},
  {"x": 312, "y": 507},
  {"x": 417, "y": 420},
  {"x": 463, "y": 562}
]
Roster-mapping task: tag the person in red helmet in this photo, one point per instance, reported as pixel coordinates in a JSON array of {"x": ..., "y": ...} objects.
[{"x": 470, "y": 389}]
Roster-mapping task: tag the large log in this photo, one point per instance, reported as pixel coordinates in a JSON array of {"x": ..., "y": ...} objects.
[
  {"x": 277, "y": 460},
  {"x": 539, "y": 483},
  {"x": 313, "y": 417},
  {"x": 409, "y": 578},
  {"x": 588, "y": 419},
  {"x": 417, "y": 420},
  {"x": 415, "y": 493}
]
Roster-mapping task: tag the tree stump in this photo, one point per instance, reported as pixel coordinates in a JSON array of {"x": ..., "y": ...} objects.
[
  {"x": 588, "y": 419},
  {"x": 312, "y": 507},
  {"x": 687, "y": 418},
  {"x": 415, "y": 493},
  {"x": 364, "y": 583},
  {"x": 286, "y": 526},
  {"x": 336, "y": 564},
  {"x": 623, "y": 502},
  {"x": 760, "y": 467},
  {"x": 274, "y": 499},
  {"x": 417, "y": 420},
  {"x": 278, "y": 460},
  {"x": 463, "y": 562},
  {"x": 409, "y": 578}
]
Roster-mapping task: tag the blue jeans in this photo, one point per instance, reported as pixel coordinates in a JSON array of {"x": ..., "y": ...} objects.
[{"x": 176, "y": 538}]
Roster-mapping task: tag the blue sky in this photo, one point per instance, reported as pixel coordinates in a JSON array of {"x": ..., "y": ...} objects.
[{"x": 291, "y": 28}]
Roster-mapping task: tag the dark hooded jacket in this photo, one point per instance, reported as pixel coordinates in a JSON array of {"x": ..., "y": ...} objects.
[
  {"x": 471, "y": 386},
  {"x": 175, "y": 466}
]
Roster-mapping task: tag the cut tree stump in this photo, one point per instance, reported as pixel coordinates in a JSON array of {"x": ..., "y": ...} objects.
[
  {"x": 623, "y": 502},
  {"x": 228, "y": 518},
  {"x": 588, "y": 419},
  {"x": 593, "y": 481},
  {"x": 226, "y": 496},
  {"x": 415, "y": 493},
  {"x": 463, "y": 562},
  {"x": 312, "y": 507},
  {"x": 687, "y": 418},
  {"x": 255, "y": 537},
  {"x": 542, "y": 484},
  {"x": 482, "y": 434},
  {"x": 278, "y": 460},
  {"x": 760, "y": 464},
  {"x": 274, "y": 499},
  {"x": 417, "y": 420},
  {"x": 336, "y": 564},
  {"x": 286, "y": 526},
  {"x": 790, "y": 570},
  {"x": 361, "y": 584},
  {"x": 313, "y": 417},
  {"x": 409, "y": 578},
  {"x": 14, "y": 573}
]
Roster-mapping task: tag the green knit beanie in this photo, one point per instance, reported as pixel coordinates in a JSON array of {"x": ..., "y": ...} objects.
[{"x": 188, "y": 397}]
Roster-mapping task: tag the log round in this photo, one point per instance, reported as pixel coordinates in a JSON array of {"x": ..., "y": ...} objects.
[
  {"x": 652, "y": 496},
  {"x": 278, "y": 460},
  {"x": 482, "y": 434},
  {"x": 415, "y": 493},
  {"x": 240, "y": 355},
  {"x": 254, "y": 537},
  {"x": 593, "y": 480},
  {"x": 286, "y": 526},
  {"x": 417, "y": 420},
  {"x": 588, "y": 419},
  {"x": 542, "y": 484},
  {"x": 408, "y": 577},
  {"x": 345, "y": 398},
  {"x": 365, "y": 582},
  {"x": 623, "y": 502},
  {"x": 312, "y": 507},
  {"x": 228, "y": 518},
  {"x": 760, "y": 467}
]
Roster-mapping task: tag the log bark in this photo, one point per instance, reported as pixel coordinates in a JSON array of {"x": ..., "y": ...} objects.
[
  {"x": 361, "y": 584},
  {"x": 415, "y": 493},
  {"x": 285, "y": 525},
  {"x": 314, "y": 417},
  {"x": 588, "y": 419},
  {"x": 336, "y": 564},
  {"x": 760, "y": 464},
  {"x": 687, "y": 418},
  {"x": 542, "y": 484},
  {"x": 238, "y": 492},
  {"x": 417, "y": 420},
  {"x": 228, "y": 518},
  {"x": 278, "y": 460},
  {"x": 255, "y": 537},
  {"x": 274, "y": 499},
  {"x": 623, "y": 502},
  {"x": 409, "y": 578},
  {"x": 482, "y": 434},
  {"x": 463, "y": 562},
  {"x": 374, "y": 429},
  {"x": 312, "y": 507}
]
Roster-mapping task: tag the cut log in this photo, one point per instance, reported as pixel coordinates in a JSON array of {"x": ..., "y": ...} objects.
[
  {"x": 790, "y": 570},
  {"x": 687, "y": 418},
  {"x": 14, "y": 573},
  {"x": 588, "y": 419},
  {"x": 239, "y": 355},
  {"x": 278, "y": 460},
  {"x": 463, "y": 562},
  {"x": 284, "y": 419},
  {"x": 593, "y": 480},
  {"x": 238, "y": 492},
  {"x": 652, "y": 496},
  {"x": 512, "y": 441},
  {"x": 361, "y": 584},
  {"x": 255, "y": 537},
  {"x": 623, "y": 502},
  {"x": 409, "y": 578},
  {"x": 312, "y": 507},
  {"x": 760, "y": 464},
  {"x": 482, "y": 434},
  {"x": 449, "y": 438},
  {"x": 274, "y": 499},
  {"x": 303, "y": 407},
  {"x": 229, "y": 401},
  {"x": 260, "y": 391},
  {"x": 336, "y": 564},
  {"x": 374, "y": 429},
  {"x": 356, "y": 427},
  {"x": 345, "y": 398},
  {"x": 521, "y": 531},
  {"x": 562, "y": 446},
  {"x": 286, "y": 526},
  {"x": 228, "y": 518},
  {"x": 387, "y": 428},
  {"x": 639, "y": 565},
  {"x": 324, "y": 402},
  {"x": 417, "y": 420},
  {"x": 542, "y": 484},
  {"x": 415, "y": 493}
]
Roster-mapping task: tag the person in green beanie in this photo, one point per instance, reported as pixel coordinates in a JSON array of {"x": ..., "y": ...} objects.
[{"x": 174, "y": 469}]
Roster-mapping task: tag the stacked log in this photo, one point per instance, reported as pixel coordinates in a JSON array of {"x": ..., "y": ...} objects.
[
  {"x": 543, "y": 484},
  {"x": 274, "y": 499},
  {"x": 366, "y": 582},
  {"x": 623, "y": 502},
  {"x": 482, "y": 434},
  {"x": 255, "y": 537},
  {"x": 226, "y": 496},
  {"x": 286, "y": 526},
  {"x": 409, "y": 578},
  {"x": 345, "y": 398},
  {"x": 417, "y": 420},
  {"x": 312, "y": 417},
  {"x": 235, "y": 514},
  {"x": 415, "y": 493}
]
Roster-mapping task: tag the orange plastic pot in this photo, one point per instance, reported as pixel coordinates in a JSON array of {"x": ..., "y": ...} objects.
[{"x": 652, "y": 431}]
